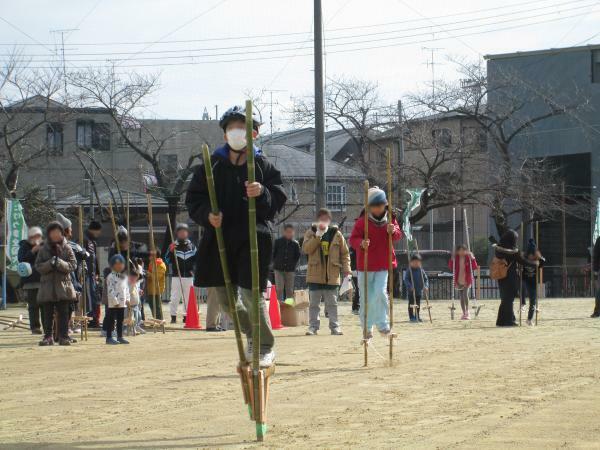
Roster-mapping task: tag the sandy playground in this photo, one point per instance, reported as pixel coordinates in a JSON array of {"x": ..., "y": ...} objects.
[{"x": 453, "y": 385}]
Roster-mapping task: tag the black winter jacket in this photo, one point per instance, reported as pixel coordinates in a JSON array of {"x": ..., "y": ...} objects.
[
  {"x": 26, "y": 255},
  {"x": 231, "y": 197},
  {"x": 90, "y": 245},
  {"x": 186, "y": 258},
  {"x": 286, "y": 254}
]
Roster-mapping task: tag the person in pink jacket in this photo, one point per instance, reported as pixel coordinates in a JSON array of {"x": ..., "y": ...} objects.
[
  {"x": 463, "y": 266},
  {"x": 380, "y": 227}
]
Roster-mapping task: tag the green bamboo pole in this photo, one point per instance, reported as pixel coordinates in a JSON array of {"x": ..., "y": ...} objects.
[
  {"x": 256, "y": 375},
  {"x": 366, "y": 280},
  {"x": 177, "y": 265},
  {"x": 390, "y": 251},
  {"x": 223, "y": 256}
]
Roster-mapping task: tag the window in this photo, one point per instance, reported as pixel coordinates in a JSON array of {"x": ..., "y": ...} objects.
[
  {"x": 442, "y": 137},
  {"x": 93, "y": 135},
  {"x": 595, "y": 66},
  {"x": 336, "y": 196},
  {"x": 133, "y": 134},
  {"x": 169, "y": 163},
  {"x": 54, "y": 139}
]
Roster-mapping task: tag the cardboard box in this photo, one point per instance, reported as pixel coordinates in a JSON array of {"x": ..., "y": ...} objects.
[
  {"x": 291, "y": 316},
  {"x": 296, "y": 315}
]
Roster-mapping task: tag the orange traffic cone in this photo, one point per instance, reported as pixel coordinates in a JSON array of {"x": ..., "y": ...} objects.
[
  {"x": 192, "y": 319},
  {"x": 274, "y": 313}
]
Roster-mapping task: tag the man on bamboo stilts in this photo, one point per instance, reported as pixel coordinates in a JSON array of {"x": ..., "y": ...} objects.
[{"x": 232, "y": 190}]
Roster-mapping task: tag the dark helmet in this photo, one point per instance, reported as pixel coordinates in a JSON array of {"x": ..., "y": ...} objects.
[{"x": 239, "y": 112}]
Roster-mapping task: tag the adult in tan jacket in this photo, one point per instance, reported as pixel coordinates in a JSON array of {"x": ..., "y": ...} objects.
[{"x": 328, "y": 262}]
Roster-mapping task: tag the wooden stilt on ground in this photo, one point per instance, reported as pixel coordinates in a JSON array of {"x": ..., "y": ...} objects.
[
  {"x": 390, "y": 194},
  {"x": 14, "y": 323},
  {"x": 366, "y": 328}
]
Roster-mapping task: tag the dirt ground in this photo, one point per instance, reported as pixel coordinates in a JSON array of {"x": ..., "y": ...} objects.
[{"x": 453, "y": 385}]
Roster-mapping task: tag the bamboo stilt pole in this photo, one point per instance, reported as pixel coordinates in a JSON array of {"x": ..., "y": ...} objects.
[
  {"x": 538, "y": 287},
  {"x": 83, "y": 319},
  {"x": 390, "y": 251},
  {"x": 231, "y": 297},
  {"x": 470, "y": 289},
  {"x": 366, "y": 329},
  {"x": 257, "y": 373},
  {"x": 129, "y": 307},
  {"x": 156, "y": 302},
  {"x": 452, "y": 286},
  {"x": 427, "y": 305},
  {"x": 177, "y": 264},
  {"x": 521, "y": 296}
]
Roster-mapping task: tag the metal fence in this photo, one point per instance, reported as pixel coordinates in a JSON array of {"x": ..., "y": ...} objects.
[{"x": 558, "y": 282}]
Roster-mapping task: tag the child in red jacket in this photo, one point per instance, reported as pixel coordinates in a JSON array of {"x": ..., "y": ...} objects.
[
  {"x": 377, "y": 271},
  {"x": 466, "y": 265}
]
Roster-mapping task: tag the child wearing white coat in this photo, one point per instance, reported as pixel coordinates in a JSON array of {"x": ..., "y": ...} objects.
[{"x": 118, "y": 297}]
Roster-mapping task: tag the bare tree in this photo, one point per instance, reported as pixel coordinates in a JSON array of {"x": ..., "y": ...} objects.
[
  {"x": 513, "y": 185},
  {"x": 355, "y": 107},
  {"x": 26, "y": 106},
  {"x": 125, "y": 97}
]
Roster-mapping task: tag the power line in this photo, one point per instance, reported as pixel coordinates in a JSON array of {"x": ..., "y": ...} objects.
[
  {"x": 262, "y": 36},
  {"x": 353, "y": 37},
  {"x": 395, "y": 44}
]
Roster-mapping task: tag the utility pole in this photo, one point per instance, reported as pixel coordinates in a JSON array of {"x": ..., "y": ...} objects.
[
  {"x": 432, "y": 64},
  {"x": 270, "y": 91},
  {"x": 216, "y": 112},
  {"x": 62, "y": 52},
  {"x": 400, "y": 153},
  {"x": 320, "y": 183}
]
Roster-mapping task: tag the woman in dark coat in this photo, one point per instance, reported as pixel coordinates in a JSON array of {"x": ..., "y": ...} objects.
[
  {"x": 55, "y": 262},
  {"x": 509, "y": 287}
]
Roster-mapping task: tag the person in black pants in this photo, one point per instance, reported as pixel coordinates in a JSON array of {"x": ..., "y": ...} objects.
[
  {"x": 529, "y": 287},
  {"x": 508, "y": 251},
  {"x": 55, "y": 262},
  {"x": 28, "y": 250}
]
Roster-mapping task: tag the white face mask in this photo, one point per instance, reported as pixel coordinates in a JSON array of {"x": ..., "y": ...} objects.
[{"x": 236, "y": 138}]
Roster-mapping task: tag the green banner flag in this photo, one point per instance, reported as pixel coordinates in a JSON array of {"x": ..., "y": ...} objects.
[
  {"x": 596, "y": 234},
  {"x": 413, "y": 203},
  {"x": 17, "y": 231}
]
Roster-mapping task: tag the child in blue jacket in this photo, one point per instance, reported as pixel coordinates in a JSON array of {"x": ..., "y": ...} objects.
[{"x": 416, "y": 281}]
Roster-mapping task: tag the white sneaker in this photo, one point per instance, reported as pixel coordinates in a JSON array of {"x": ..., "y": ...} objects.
[
  {"x": 140, "y": 330},
  {"x": 530, "y": 323},
  {"x": 267, "y": 359},
  {"x": 311, "y": 332},
  {"x": 523, "y": 308}
]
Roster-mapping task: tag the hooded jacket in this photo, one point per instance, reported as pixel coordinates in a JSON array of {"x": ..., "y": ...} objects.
[
  {"x": 229, "y": 181},
  {"x": 26, "y": 255},
  {"x": 378, "y": 248}
]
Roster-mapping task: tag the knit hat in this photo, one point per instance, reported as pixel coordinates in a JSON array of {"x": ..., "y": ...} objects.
[
  {"x": 115, "y": 259},
  {"x": 377, "y": 196},
  {"x": 416, "y": 257},
  {"x": 94, "y": 225},
  {"x": 531, "y": 247},
  {"x": 182, "y": 226},
  {"x": 54, "y": 226},
  {"x": 64, "y": 222},
  {"x": 34, "y": 231}
]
